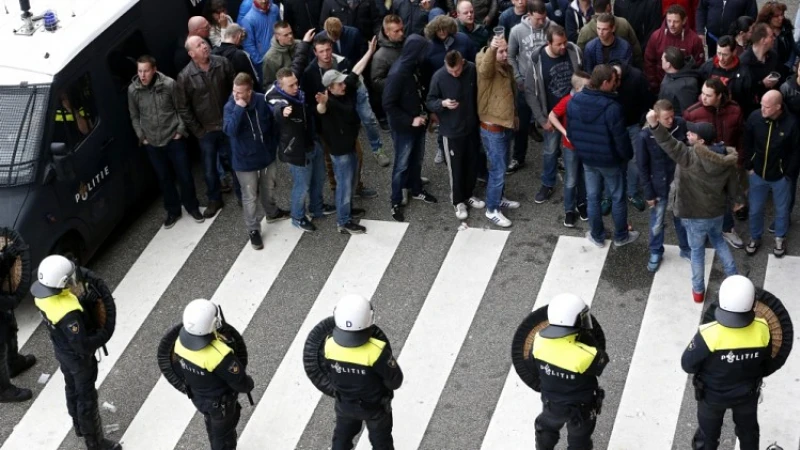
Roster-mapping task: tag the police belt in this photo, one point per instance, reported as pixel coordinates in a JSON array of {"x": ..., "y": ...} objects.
[
  {"x": 367, "y": 406},
  {"x": 596, "y": 405}
]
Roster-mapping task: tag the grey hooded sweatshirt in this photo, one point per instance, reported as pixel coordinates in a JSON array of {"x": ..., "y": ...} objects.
[{"x": 522, "y": 40}]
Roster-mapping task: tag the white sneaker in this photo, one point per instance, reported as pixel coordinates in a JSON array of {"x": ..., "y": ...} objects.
[
  {"x": 510, "y": 204},
  {"x": 404, "y": 201},
  {"x": 733, "y": 239},
  {"x": 461, "y": 211},
  {"x": 476, "y": 203},
  {"x": 497, "y": 218}
]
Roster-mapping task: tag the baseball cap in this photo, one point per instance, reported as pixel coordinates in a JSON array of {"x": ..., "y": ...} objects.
[{"x": 333, "y": 76}]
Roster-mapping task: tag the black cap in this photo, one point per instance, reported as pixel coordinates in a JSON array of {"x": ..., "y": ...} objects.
[
  {"x": 39, "y": 290},
  {"x": 193, "y": 342},
  {"x": 703, "y": 130},
  {"x": 734, "y": 319},
  {"x": 351, "y": 338},
  {"x": 557, "y": 331}
]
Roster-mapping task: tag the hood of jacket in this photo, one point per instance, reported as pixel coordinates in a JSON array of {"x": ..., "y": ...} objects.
[
  {"x": 599, "y": 102},
  {"x": 526, "y": 19},
  {"x": 686, "y": 72},
  {"x": 415, "y": 49},
  {"x": 384, "y": 41},
  {"x": 275, "y": 45},
  {"x": 716, "y": 158}
]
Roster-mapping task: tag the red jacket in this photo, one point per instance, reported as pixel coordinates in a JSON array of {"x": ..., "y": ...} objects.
[
  {"x": 688, "y": 41},
  {"x": 727, "y": 121},
  {"x": 689, "y": 5}
]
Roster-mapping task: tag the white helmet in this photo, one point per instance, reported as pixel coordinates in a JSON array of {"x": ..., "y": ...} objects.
[
  {"x": 354, "y": 318},
  {"x": 736, "y": 298},
  {"x": 200, "y": 320},
  {"x": 567, "y": 314},
  {"x": 55, "y": 273}
]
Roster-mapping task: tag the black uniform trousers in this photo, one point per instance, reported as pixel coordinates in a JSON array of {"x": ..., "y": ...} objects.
[
  {"x": 9, "y": 351},
  {"x": 461, "y": 154},
  {"x": 349, "y": 417},
  {"x": 221, "y": 417},
  {"x": 709, "y": 421},
  {"x": 580, "y": 421},
  {"x": 80, "y": 375}
]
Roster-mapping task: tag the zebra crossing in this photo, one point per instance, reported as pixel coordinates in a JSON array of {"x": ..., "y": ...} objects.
[{"x": 435, "y": 349}]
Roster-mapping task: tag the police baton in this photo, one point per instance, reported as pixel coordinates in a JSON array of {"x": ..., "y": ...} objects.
[{"x": 222, "y": 322}]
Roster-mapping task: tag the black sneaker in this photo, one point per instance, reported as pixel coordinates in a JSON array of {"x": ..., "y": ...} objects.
[
  {"x": 543, "y": 195},
  {"x": 169, "y": 222},
  {"x": 351, "y": 228},
  {"x": 514, "y": 166},
  {"x": 383, "y": 123},
  {"x": 212, "y": 208},
  {"x": 424, "y": 196},
  {"x": 327, "y": 209},
  {"x": 397, "y": 213},
  {"x": 20, "y": 364},
  {"x": 583, "y": 212},
  {"x": 225, "y": 186},
  {"x": 357, "y": 213},
  {"x": 255, "y": 240},
  {"x": 13, "y": 394},
  {"x": 280, "y": 215},
  {"x": 742, "y": 214},
  {"x": 305, "y": 225},
  {"x": 569, "y": 219},
  {"x": 197, "y": 216}
]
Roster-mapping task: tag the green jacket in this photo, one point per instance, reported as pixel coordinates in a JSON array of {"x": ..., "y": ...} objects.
[
  {"x": 153, "y": 110},
  {"x": 277, "y": 57}
]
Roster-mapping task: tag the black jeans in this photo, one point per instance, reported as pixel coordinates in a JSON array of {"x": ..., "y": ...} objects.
[
  {"x": 521, "y": 133},
  {"x": 171, "y": 162},
  {"x": 221, "y": 417},
  {"x": 580, "y": 423},
  {"x": 709, "y": 421},
  {"x": 461, "y": 154},
  {"x": 80, "y": 375},
  {"x": 348, "y": 424}
]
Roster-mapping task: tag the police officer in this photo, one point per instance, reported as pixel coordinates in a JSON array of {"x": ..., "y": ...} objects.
[
  {"x": 364, "y": 375},
  {"x": 729, "y": 357},
  {"x": 11, "y": 362},
  {"x": 568, "y": 372},
  {"x": 214, "y": 375},
  {"x": 74, "y": 346}
]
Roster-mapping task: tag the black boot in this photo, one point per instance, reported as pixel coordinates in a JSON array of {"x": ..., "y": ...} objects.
[
  {"x": 13, "y": 394},
  {"x": 96, "y": 440},
  {"x": 20, "y": 364}
]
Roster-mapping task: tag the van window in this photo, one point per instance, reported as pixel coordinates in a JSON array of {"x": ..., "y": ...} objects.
[
  {"x": 76, "y": 112},
  {"x": 122, "y": 60}
]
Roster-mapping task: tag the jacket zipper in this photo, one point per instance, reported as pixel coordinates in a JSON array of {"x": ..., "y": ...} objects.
[{"x": 766, "y": 155}]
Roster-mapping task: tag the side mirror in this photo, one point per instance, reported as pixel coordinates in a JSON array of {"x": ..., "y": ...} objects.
[{"x": 59, "y": 149}]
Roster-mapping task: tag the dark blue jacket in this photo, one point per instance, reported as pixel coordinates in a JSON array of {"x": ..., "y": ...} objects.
[
  {"x": 717, "y": 15},
  {"x": 404, "y": 94},
  {"x": 656, "y": 168},
  {"x": 620, "y": 50},
  {"x": 555, "y": 10},
  {"x": 250, "y": 130},
  {"x": 596, "y": 127},
  {"x": 351, "y": 44}
]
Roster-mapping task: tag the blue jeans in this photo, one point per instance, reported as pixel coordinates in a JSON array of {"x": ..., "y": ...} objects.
[
  {"x": 612, "y": 179},
  {"x": 657, "y": 216},
  {"x": 212, "y": 144},
  {"x": 696, "y": 231},
  {"x": 344, "y": 168},
  {"x": 409, "y": 149},
  {"x": 497, "y": 144},
  {"x": 552, "y": 140},
  {"x": 367, "y": 117},
  {"x": 308, "y": 180},
  {"x": 757, "y": 197},
  {"x": 174, "y": 155},
  {"x": 574, "y": 184}
]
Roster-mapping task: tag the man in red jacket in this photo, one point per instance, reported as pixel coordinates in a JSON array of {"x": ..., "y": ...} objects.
[
  {"x": 674, "y": 33},
  {"x": 716, "y": 108}
]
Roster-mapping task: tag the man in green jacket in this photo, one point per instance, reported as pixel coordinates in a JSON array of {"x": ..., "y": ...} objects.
[{"x": 280, "y": 53}]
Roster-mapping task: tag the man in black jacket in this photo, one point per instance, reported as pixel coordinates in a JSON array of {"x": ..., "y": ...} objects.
[
  {"x": 298, "y": 143},
  {"x": 453, "y": 96},
  {"x": 715, "y": 16},
  {"x": 302, "y": 15},
  {"x": 231, "y": 49},
  {"x": 725, "y": 66},
  {"x": 361, "y": 14},
  {"x": 403, "y": 101},
  {"x": 643, "y": 15}
]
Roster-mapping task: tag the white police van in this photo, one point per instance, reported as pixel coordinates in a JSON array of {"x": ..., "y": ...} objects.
[{"x": 70, "y": 166}]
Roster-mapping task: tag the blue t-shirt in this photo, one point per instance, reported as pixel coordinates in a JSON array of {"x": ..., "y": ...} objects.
[{"x": 557, "y": 74}]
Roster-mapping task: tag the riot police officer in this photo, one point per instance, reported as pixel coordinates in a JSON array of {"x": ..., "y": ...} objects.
[
  {"x": 568, "y": 371},
  {"x": 214, "y": 375},
  {"x": 74, "y": 345},
  {"x": 729, "y": 357},
  {"x": 364, "y": 374}
]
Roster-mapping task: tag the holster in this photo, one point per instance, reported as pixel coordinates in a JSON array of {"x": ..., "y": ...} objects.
[
  {"x": 599, "y": 396},
  {"x": 699, "y": 388}
]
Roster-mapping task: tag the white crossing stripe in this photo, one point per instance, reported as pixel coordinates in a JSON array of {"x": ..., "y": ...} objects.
[
  {"x": 575, "y": 267},
  {"x": 47, "y": 422},
  {"x": 160, "y": 422},
  {"x": 779, "y": 413},
  {"x": 651, "y": 402},
  {"x": 290, "y": 399},
  {"x": 445, "y": 318}
]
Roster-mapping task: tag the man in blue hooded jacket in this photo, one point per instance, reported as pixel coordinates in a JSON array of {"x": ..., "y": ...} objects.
[{"x": 248, "y": 123}]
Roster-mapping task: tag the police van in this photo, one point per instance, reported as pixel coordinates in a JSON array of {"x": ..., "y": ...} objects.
[{"x": 70, "y": 165}]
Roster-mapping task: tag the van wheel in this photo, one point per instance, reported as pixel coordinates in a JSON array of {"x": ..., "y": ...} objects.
[{"x": 70, "y": 246}]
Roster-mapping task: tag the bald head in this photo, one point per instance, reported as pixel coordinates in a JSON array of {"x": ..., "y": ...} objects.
[
  {"x": 465, "y": 12},
  {"x": 199, "y": 26},
  {"x": 772, "y": 104}
]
